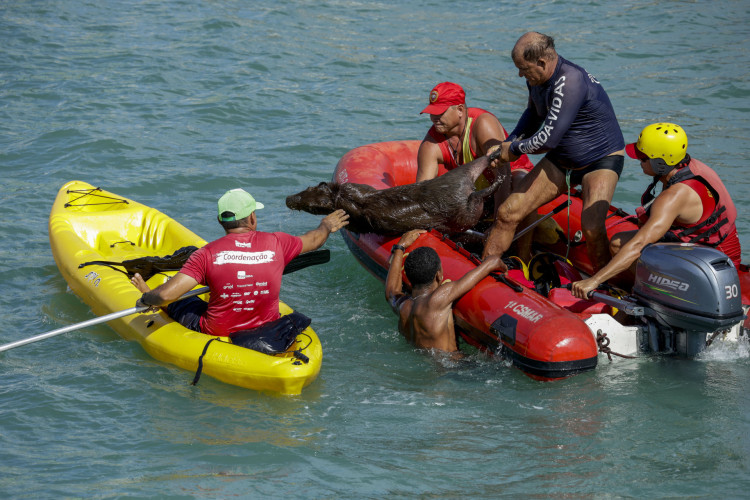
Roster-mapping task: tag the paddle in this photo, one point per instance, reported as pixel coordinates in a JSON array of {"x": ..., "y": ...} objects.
[
  {"x": 308, "y": 259},
  {"x": 91, "y": 322},
  {"x": 300, "y": 262},
  {"x": 546, "y": 216},
  {"x": 528, "y": 228}
]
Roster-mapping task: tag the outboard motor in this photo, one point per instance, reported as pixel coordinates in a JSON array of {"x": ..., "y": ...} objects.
[{"x": 689, "y": 291}]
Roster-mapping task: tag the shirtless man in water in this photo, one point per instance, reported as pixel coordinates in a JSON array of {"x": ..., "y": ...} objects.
[{"x": 425, "y": 317}]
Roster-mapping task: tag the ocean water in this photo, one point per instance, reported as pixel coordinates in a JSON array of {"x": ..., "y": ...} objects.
[{"x": 173, "y": 102}]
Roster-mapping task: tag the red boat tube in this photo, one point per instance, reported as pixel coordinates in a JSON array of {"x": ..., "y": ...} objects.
[{"x": 501, "y": 314}]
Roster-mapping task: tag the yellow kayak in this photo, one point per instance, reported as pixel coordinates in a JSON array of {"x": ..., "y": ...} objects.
[{"x": 89, "y": 224}]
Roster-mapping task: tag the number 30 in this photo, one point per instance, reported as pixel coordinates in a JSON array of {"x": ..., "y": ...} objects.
[{"x": 732, "y": 291}]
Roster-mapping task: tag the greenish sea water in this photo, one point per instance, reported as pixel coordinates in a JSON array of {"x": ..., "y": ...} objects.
[{"x": 173, "y": 102}]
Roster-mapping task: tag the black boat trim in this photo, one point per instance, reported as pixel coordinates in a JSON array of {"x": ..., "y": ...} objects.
[{"x": 365, "y": 260}]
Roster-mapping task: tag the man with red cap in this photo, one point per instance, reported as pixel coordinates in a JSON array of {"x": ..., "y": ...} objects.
[{"x": 460, "y": 134}]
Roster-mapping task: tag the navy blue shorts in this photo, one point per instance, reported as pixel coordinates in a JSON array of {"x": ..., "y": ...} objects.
[
  {"x": 614, "y": 163},
  {"x": 188, "y": 312}
]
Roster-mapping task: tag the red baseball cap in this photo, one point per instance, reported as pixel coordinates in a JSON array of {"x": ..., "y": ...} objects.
[
  {"x": 443, "y": 96},
  {"x": 633, "y": 151}
]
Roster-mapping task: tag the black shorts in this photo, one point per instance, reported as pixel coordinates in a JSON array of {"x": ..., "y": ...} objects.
[
  {"x": 188, "y": 312},
  {"x": 614, "y": 163}
]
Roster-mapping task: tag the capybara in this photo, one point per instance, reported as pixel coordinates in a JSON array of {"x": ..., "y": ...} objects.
[{"x": 448, "y": 203}]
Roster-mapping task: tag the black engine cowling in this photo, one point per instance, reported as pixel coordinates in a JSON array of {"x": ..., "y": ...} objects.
[{"x": 692, "y": 290}]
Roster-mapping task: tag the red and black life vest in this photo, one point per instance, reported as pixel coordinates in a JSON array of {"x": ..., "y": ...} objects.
[
  {"x": 710, "y": 231},
  {"x": 449, "y": 160}
]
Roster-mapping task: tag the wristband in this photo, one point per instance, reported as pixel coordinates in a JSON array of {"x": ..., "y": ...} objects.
[{"x": 397, "y": 247}]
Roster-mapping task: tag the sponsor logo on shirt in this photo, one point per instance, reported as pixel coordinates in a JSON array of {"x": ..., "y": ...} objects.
[
  {"x": 241, "y": 244},
  {"x": 541, "y": 137},
  {"x": 237, "y": 257},
  {"x": 241, "y": 275}
]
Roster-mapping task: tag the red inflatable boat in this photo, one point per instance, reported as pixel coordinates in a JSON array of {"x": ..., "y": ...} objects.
[{"x": 546, "y": 334}]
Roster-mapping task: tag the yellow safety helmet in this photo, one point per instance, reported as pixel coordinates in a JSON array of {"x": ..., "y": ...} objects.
[{"x": 665, "y": 144}]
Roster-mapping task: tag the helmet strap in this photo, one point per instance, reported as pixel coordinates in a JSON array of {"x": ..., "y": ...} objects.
[
  {"x": 648, "y": 195},
  {"x": 659, "y": 166}
]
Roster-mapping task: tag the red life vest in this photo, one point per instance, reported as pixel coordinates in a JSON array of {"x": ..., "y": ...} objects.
[
  {"x": 711, "y": 230},
  {"x": 449, "y": 161}
]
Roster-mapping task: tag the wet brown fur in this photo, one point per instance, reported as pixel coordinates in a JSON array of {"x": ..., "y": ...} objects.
[{"x": 447, "y": 203}]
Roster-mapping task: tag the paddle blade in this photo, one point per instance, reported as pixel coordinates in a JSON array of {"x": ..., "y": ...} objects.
[{"x": 308, "y": 259}]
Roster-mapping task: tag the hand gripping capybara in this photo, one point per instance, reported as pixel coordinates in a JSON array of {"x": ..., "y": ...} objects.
[{"x": 447, "y": 203}]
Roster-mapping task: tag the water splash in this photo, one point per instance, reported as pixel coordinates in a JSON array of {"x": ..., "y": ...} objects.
[{"x": 726, "y": 350}]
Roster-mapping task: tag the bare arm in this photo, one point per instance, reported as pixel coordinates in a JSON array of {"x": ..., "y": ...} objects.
[
  {"x": 665, "y": 209},
  {"x": 393, "y": 282},
  {"x": 314, "y": 239},
  {"x": 168, "y": 292},
  {"x": 449, "y": 292},
  {"x": 488, "y": 133},
  {"x": 429, "y": 158}
]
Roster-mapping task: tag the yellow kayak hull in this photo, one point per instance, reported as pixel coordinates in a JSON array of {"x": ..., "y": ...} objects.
[{"x": 89, "y": 224}]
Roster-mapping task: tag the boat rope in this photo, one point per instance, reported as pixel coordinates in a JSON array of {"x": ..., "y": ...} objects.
[
  {"x": 200, "y": 362},
  {"x": 92, "y": 192},
  {"x": 567, "y": 237},
  {"x": 603, "y": 342},
  {"x": 298, "y": 352},
  {"x": 624, "y": 217}
]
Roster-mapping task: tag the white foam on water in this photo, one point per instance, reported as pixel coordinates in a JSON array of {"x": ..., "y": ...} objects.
[{"x": 726, "y": 350}]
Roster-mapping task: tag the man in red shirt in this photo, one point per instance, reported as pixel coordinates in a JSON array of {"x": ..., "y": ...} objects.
[{"x": 242, "y": 270}]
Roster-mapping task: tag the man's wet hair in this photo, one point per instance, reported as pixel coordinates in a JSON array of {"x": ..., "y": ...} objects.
[
  {"x": 421, "y": 266},
  {"x": 541, "y": 47}
]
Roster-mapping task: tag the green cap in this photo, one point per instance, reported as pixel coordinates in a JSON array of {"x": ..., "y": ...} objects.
[{"x": 238, "y": 203}]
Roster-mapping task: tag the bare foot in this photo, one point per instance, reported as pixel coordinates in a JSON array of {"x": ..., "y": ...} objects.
[{"x": 138, "y": 282}]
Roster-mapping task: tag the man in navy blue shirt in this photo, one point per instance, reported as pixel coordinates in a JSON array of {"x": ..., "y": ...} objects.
[{"x": 569, "y": 118}]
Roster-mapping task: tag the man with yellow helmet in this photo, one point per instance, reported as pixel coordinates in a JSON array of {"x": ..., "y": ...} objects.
[{"x": 693, "y": 206}]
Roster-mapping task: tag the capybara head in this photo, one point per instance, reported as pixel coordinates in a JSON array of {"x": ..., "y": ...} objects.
[{"x": 317, "y": 200}]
